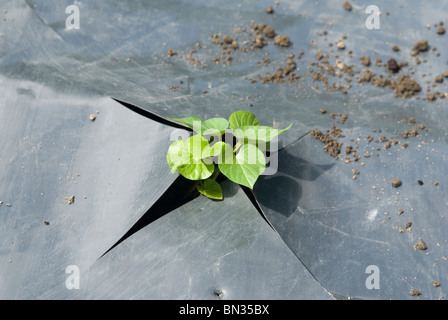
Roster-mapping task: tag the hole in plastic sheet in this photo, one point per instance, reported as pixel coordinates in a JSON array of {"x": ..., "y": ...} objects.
[
  {"x": 150, "y": 115},
  {"x": 179, "y": 193}
]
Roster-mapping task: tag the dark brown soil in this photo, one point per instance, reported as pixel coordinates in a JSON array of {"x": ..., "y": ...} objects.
[
  {"x": 282, "y": 74},
  {"x": 393, "y": 66},
  {"x": 332, "y": 146},
  {"x": 420, "y": 46}
]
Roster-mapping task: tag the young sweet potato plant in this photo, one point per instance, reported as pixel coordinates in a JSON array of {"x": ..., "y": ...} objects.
[{"x": 207, "y": 153}]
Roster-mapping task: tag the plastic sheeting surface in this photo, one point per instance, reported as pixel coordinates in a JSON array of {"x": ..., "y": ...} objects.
[{"x": 53, "y": 78}]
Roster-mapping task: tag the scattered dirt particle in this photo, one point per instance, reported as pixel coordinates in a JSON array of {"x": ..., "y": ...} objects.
[
  {"x": 430, "y": 97},
  {"x": 420, "y": 245},
  {"x": 92, "y": 117},
  {"x": 408, "y": 224},
  {"x": 269, "y": 32},
  {"x": 396, "y": 182},
  {"x": 322, "y": 110},
  {"x": 365, "y": 61},
  {"x": 441, "y": 30},
  {"x": 281, "y": 40},
  {"x": 171, "y": 52},
  {"x": 393, "y": 66},
  {"x": 415, "y": 292},
  {"x": 435, "y": 283},
  {"x": 332, "y": 146},
  {"x": 227, "y": 39},
  {"x": 70, "y": 200},
  {"x": 269, "y": 9},
  {"x": 406, "y": 87},
  {"x": 347, "y": 6},
  {"x": 420, "y": 46},
  {"x": 395, "y": 48},
  {"x": 420, "y": 182},
  {"x": 46, "y": 223},
  {"x": 340, "y": 45},
  {"x": 438, "y": 79}
]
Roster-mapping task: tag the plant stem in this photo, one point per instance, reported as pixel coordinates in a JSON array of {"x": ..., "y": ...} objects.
[
  {"x": 237, "y": 146},
  {"x": 215, "y": 173}
]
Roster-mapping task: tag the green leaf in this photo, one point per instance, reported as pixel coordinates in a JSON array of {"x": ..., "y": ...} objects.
[
  {"x": 242, "y": 118},
  {"x": 211, "y": 189},
  {"x": 186, "y": 157},
  {"x": 197, "y": 170},
  {"x": 245, "y": 167},
  {"x": 213, "y": 151},
  {"x": 178, "y": 155},
  {"x": 212, "y": 126},
  {"x": 257, "y": 134},
  {"x": 196, "y": 144},
  {"x": 219, "y": 124},
  {"x": 188, "y": 121}
]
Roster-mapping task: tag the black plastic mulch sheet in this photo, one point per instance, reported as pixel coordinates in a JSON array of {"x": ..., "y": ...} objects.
[{"x": 73, "y": 189}]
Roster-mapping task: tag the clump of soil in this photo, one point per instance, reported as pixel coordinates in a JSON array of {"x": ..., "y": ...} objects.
[
  {"x": 393, "y": 66},
  {"x": 282, "y": 40},
  {"x": 420, "y": 245},
  {"x": 269, "y": 32},
  {"x": 406, "y": 87},
  {"x": 282, "y": 73},
  {"x": 70, "y": 200},
  {"x": 441, "y": 30},
  {"x": 396, "y": 182},
  {"x": 171, "y": 52},
  {"x": 365, "y": 61},
  {"x": 438, "y": 79},
  {"x": 415, "y": 292},
  {"x": 420, "y": 46},
  {"x": 332, "y": 146},
  {"x": 347, "y": 6}
]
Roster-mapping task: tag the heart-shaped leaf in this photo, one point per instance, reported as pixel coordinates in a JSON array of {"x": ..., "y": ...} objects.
[
  {"x": 211, "y": 189},
  {"x": 242, "y": 118},
  {"x": 178, "y": 155},
  {"x": 213, "y": 151},
  {"x": 188, "y": 121},
  {"x": 219, "y": 124},
  {"x": 257, "y": 134},
  {"x": 186, "y": 157},
  {"x": 197, "y": 170},
  {"x": 245, "y": 167}
]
